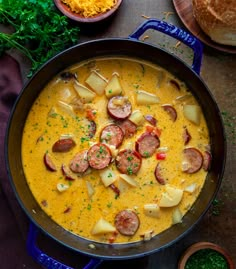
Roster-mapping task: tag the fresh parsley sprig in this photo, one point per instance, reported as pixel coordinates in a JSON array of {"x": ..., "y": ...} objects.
[{"x": 39, "y": 30}]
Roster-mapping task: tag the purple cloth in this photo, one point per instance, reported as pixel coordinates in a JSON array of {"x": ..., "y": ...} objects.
[
  {"x": 13, "y": 222},
  {"x": 12, "y": 233}
]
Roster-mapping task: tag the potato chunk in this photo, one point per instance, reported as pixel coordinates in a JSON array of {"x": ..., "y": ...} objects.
[
  {"x": 123, "y": 186},
  {"x": 66, "y": 108},
  {"x": 129, "y": 180},
  {"x": 113, "y": 87},
  {"x": 137, "y": 117},
  {"x": 103, "y": 226},
  {"x": 85, "y": 93},
  {"x": 192, "y": 113},
  {"x": 177, "y": 216},
  {"x": 147, "y": 235},
  {"x": 171, "y": 197},
  {"x": 152, "y": 210},
  {"x": 62, "y": 187},
  {"x": 96, "y": 82},
  {"x": 108, "y": 177},
  {"x": 146, "y": 98},
  {"x": 191, "y": 188},
  {"x": 90, "y": 189},
  {"x": 52, "y": 112},
  {"x": 113, "y": 149}
]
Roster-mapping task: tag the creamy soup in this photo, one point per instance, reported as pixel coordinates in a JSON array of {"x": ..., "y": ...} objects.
[{"x": 116, "y": 150}]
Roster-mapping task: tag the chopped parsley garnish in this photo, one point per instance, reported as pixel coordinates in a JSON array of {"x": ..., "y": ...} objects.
[
  {"x": 83, "y": 139},
  {"x": 146, "y": 154},
  {"x": 129, "y": 170},
  {"x": 130, "y": 158},
  {"x": 38, "y": 23},
  {"x": 109, "y": 205}
]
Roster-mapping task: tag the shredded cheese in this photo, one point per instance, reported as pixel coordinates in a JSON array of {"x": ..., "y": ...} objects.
[
  {"x": 89, "y": 8},
  {"x": 177, "y": 44},
  {"x": 145, "y": 37},
  {"x": 145, "y": 17},
  {"x": 167, "y": 14}
]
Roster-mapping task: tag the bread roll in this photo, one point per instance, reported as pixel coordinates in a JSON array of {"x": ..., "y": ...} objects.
[{"x": 217, "y": 18}]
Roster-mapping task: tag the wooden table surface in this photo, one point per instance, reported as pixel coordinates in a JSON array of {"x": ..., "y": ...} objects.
[{"x": 219, "y": 73}]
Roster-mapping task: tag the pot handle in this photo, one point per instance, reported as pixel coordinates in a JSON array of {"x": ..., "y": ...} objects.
[
  {"x": 46, "y": 261},
  {"x": 176, "y": 33}
]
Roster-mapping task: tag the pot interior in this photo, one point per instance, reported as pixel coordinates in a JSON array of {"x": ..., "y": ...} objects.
[{"x": 131, "y": 49}]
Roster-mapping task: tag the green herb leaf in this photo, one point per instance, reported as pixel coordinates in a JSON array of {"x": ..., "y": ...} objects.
[{"x": 39, "y": 30}]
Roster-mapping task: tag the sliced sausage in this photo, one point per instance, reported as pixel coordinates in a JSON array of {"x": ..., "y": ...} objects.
[
  {"x": 115, "y": 189},
  {"x": 49, "y": 163},
  {"x": 99, "y": 156},
  {"x": 128, "y": 161},
  {"x": 158, "y": 175},
  {"x": 79, "y": 164},
  {"x": 63, "y": 145},
  {"x": 66, "y": 172},
  {"x": 127, "y": 222},
  {"x": 67, "y": 76},
  {"x": 112, "y": 135},
  {"x": 128, "y": 127},
  {"x": 119, "y": 107},
  {"x": 92, "y": 127},
  {"x": 186, "y": 136},
  {"x": 151, "y": 120},
  {"x": 175, "y": 84},
  {"x": 171, "y": 111},
  {"x": 206, "y": 160},
  {"x": 88, "y": 127},
  {"x": 147, "y": 143},
  {"x": 193, "y": 160}
]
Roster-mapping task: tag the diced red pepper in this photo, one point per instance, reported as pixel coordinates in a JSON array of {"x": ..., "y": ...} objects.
[
  {"x": 91, "y": 114},
  {"x": 113, "y": 237},
  {"x": 161, "y": 156},
  {"x": 155, "y": 130}
]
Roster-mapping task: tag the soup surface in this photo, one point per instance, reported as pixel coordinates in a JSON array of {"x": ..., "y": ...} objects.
[{"x": 115, "y": 150}]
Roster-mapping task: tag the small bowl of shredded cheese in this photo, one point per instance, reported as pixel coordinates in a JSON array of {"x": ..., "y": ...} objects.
[{"x": 88, "y": 11}]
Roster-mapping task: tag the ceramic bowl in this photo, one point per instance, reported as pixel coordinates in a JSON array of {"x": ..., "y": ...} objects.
[
  {"x": 77, "y": 17},
  {"x": 204, "y": 245}
]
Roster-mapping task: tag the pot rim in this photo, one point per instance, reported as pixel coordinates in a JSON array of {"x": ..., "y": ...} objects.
[{"x": 183, "y": 232}]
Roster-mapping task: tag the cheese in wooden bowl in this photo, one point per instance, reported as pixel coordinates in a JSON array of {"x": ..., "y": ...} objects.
[{"x": 88, "y": 11}]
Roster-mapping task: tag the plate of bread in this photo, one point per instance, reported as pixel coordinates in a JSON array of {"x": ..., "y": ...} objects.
[{"x": 211, "y": 21}]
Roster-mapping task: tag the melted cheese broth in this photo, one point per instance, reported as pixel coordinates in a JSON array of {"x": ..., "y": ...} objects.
[{"x": 73, "y": 209}]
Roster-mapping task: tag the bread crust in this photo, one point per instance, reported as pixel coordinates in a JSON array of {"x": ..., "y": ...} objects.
[{"x": 217, "y": 18}]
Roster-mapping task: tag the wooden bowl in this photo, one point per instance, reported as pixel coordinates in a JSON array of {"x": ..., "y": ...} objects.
[
  {"x": 77, "y": 17},
  {"x": 184, "y": 9},
  {"x": 204, "y": 245}
]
